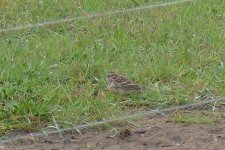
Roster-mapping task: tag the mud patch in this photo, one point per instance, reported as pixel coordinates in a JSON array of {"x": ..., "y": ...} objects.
[{"x": 149, "y": 133}]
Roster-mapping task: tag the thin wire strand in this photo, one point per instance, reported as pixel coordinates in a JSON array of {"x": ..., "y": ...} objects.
[
  {"x": 136, "y": 115},
  {"x": 30, "y": 26},
  {"x": 140, "y": 114}
]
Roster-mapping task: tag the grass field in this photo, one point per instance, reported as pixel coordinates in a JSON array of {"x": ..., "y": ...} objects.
[{"x": 56, "y": 74}]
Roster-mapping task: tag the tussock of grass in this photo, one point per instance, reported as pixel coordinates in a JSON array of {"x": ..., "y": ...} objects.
[{"x": 175, "y": 52}]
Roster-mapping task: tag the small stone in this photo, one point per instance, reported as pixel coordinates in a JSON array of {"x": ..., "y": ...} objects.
[
  {"x": 74, "y": 137},
  {"x": 125, "y": 133},
  {"x": 141, "y": 131},
  {"x": 67, "y": 141},
  {"x": 48, "y": 141}
]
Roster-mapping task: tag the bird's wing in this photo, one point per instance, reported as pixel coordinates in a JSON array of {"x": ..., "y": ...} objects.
[{"x": 123, "y": 80}]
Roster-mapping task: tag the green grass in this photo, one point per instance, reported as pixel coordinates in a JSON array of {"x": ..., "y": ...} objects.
[
  {"x": 58, "y": 72},
  {"x": 197, "y": 117},
  {"x": 31, "y": 11}
]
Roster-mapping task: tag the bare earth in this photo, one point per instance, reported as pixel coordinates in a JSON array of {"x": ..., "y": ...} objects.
[{"x": 149, "y": 133}]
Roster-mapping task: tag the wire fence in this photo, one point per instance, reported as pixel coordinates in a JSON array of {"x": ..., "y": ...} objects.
[
  {"x": 131, "y": 116},
  {"x": 30, "y": 26}
]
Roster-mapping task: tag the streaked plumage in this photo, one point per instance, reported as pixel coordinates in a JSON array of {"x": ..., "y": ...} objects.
[{"x": 121, "y": 84}]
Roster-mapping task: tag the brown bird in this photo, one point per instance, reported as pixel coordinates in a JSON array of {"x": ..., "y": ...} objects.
[{"x": 121, "y": 84}]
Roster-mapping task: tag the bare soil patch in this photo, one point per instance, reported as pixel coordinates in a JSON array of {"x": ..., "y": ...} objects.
[{"x": 150, "y": 133}]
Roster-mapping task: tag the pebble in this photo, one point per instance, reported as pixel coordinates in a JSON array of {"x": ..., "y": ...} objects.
[{"x": 141, "y": 131}]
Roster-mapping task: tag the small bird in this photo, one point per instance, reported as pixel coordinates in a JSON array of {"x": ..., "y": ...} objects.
[{"x": 121, "y": 84}]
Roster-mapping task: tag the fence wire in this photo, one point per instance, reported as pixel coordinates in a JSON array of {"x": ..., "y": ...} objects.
[
  {"x": 132, "y": 116},
  {"x": 30, "y": 26}
]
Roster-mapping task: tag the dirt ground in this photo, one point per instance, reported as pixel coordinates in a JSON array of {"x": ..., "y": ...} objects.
[{"x": 150, "y": 133}]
